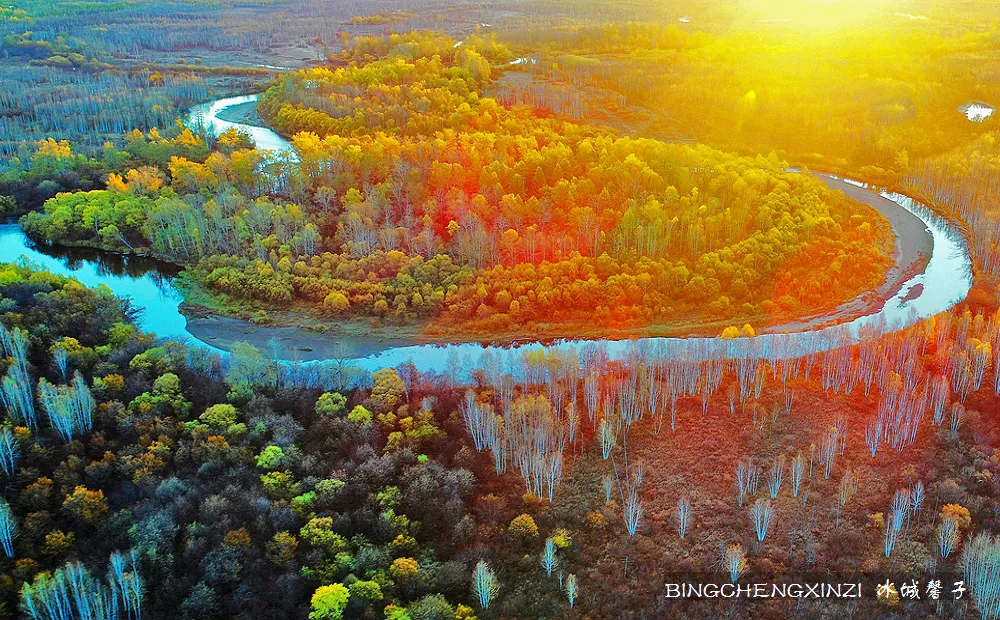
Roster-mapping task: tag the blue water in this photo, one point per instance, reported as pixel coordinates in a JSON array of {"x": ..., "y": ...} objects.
[{"x": 148, "y": 283}]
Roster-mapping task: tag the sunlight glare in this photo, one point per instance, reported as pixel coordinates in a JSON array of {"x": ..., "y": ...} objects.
[{"x": 816, "y": 15}]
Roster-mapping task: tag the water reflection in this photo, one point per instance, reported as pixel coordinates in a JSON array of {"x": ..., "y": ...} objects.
[
  {"x": 110, "y": 264},
  {"x": 147, "y": 282}
]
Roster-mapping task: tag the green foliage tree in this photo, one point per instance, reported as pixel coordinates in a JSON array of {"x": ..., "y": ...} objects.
[
  {"x": 331, "y": 403},
  {"x": 329, "y": 602},
  {"x": 270, "y": 457},
  {"x": 220, "y": 416}
]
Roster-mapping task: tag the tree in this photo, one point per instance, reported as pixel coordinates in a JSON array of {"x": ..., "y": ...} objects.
[
  {"x": 330, "y": 403},
  {"x": 73, "y": 592},
  {"x": 270, "y": 457},
  {"x": 549, "y": 559},
  {"x": 396, "y": 613},
  {"x": 899, "y": 509},
  {"x": 734, "y": 561},
  {"x": 776, "y": 476},
  {"x": 58, "y": 542},
  {"x": 484, "y": 584},
  {"x": 248, "y": 365},
  {"x": 797, "y": 471},
  {"x": 633, "y": 510},
  {"x": 18, "y": 398},
  {"x": 368, "y": 591},
  {"x": 523, "y": 526},
  {"x": 730, "y": 332},
  {"x": 747, "y": 478},
  {"x": 571, "y": 590},
  {"x": 979, "y": 563},
  {"x": 337, "y": 302},
  {"x": 683, "y": 516},
  {"x": 202, "y": 602},
  {"x": 70, "y": 408},
  {"x": 319, "y": 533},
  {"x": 479, "y": 420},
  {"x": 761, "y": 516},
  {"x": 404, "y": 568},
  {"x": 61, "y": 357},
  {"x": 329, "y": 602},
  {"x": 8, "y": 528},
  {"x": 10, "y": 451},
  {"x": 124, "y": 577},
  {"x": 8, "y": 206},
  {"x": 959, "y": 513},
  {"x": 432, "y": 607},
  {"x": 166, "y": 395},
  {"x": 947, "y": 536},
  {"x": 85, "y": 504},
  {"x": 281, "y": 548},
  {"x": 917, "y": 497},
  {"x": 360, "y": 416},
  {"x": 219, "y": 417},
  {"x": 388, "y": 388},
  {"x": 280, "y": 484}
]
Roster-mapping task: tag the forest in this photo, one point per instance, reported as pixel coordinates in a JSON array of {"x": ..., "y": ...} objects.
[{"x": 568, "y": 182}]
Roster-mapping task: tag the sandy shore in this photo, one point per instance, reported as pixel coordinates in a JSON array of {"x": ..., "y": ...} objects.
[
  {"x": 914, "y": 246},
  {"x": 245, "y": 113},
  {"x": 291, "y": 341}
]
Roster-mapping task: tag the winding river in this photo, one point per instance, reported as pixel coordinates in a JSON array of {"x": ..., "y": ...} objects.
[
  {"x": 207, "y": 116},
  {"x": 944, "y": 281}
]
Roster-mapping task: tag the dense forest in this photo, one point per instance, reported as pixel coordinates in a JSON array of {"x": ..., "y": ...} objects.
[
  {"x": 147, "y": 453},
  {"x": 520, "y": 171}
]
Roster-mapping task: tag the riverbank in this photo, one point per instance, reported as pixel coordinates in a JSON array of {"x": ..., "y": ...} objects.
[
  {"x": 241, "y": 113},
  {"x": 914, "y": 246},
  {"x": 299, "y": 335}
]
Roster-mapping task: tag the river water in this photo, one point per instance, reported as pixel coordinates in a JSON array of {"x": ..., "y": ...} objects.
[
  {"x": 945, "y": 282},
  {"x": 206, "y": 114}
]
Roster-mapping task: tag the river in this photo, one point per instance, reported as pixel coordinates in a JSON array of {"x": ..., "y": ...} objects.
[
  {"x": 944, "y": 281},
  {"x": 207, "y": 115}
]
